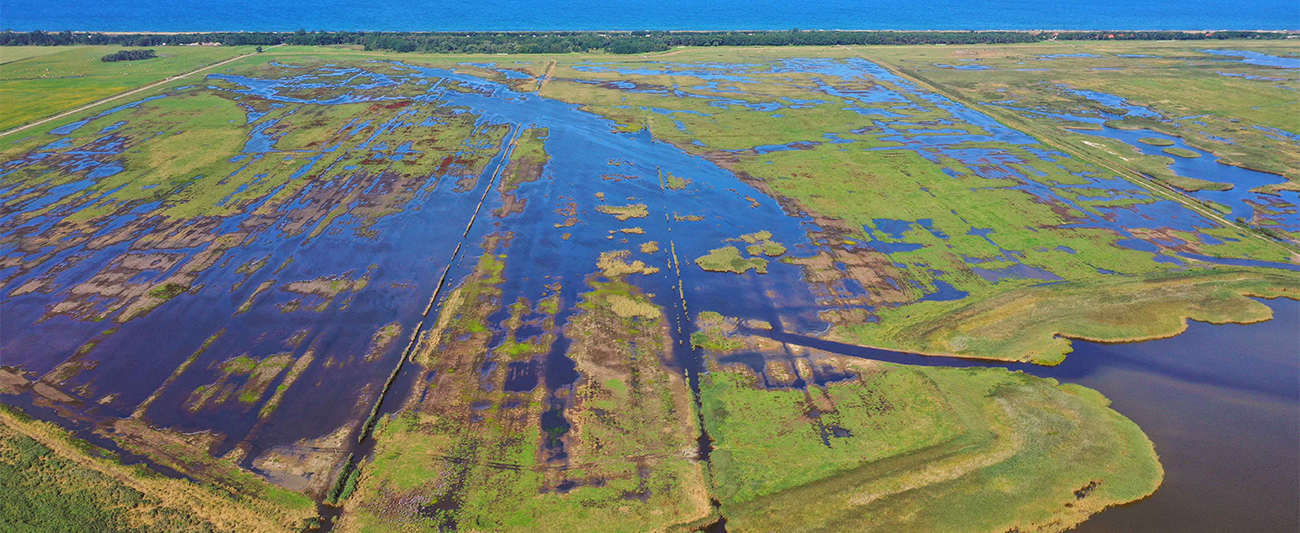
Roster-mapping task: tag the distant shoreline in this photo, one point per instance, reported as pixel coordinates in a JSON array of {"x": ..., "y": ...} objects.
[
  {"x": 1295, "y": 32},
  {"x": 617, "y": 42}
]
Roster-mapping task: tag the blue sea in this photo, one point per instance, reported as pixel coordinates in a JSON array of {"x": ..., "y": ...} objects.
[{"x": 490, "y": 15}]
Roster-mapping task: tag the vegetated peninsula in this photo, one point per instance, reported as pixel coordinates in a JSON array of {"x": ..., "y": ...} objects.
[{"x": 342, "y": 282}]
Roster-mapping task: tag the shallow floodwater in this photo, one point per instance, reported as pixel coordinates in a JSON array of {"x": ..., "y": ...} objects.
[
  {"x": 1240, "y": 198},
  {"x": 1278, "y": 208},
  {"x": 402, "y": 255},
  {"x": 1256, "y": 58}
]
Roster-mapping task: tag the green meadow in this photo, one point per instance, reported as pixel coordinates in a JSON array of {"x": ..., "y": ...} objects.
[
  {"x": 37, "y": 82},
  {"x": 920, "y": 449}
]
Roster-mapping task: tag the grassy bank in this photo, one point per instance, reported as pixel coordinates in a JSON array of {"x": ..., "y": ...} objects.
[
  {"x": 901, "y": 448},
  {"x": 55, "y": 482},
  {"x": 1036, "y": 324}
]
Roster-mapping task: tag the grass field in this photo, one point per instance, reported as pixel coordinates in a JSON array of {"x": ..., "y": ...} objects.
[
  {"x": 36, "y": 82},
  {"x": 13, "y": 54},
  {"x": 900, "y": 448},
  {"x": 58, "y": 483}
]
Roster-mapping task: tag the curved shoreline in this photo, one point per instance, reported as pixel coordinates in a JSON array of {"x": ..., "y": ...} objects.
[{"x": 1186, "y": 320}]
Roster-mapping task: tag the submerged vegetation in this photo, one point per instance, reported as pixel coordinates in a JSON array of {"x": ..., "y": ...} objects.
[
  {"x": 607, "y": 456},
  {"x": 410, "y": 287}
]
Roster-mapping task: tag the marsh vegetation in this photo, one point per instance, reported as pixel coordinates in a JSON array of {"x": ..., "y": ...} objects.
[{"x": 438, "y": 292}]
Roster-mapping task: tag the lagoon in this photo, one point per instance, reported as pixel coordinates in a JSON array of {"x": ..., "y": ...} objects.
[{"x": 1219, "y": 404}]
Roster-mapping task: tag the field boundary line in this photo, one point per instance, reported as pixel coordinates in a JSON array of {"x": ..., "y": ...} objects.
[
  {"x": 546, "y": 76},
  {"x": 121, "y": 95},
  {"x": 1042, "y": 136},
  {"x": 367, "y": 428}
]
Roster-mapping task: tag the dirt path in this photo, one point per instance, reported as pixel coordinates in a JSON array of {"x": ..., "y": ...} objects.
[
  {"x": 119, "y": 96},
  {"x": 546, "y": 76}
]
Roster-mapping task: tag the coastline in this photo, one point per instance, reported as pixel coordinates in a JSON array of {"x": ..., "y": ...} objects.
[{"x": 1033, "y": 31}]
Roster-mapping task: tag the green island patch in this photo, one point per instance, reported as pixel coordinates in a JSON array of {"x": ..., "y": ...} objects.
[
  {"x": 625, "y": 212},
  {"x": 1156, "y": 141},
  {"x": 728, "y": 259},
  {"x": 1181, "y": 152}
]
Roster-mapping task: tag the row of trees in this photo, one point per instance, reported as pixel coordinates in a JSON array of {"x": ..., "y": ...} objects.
[
  {"x": 128, "y": 55},
  {"x": 634, "y": 42}
]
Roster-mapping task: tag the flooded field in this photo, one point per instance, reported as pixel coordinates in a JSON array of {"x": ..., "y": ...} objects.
[
  {"x": 515, "y": 292},
  {"x": 265, "y": 287},
  {"x": 1240, "y": 193}
]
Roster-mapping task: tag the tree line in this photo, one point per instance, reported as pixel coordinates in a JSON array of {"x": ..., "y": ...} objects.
[
  {"x": 128, "y": 55},
  {"x": 622, "y": 42}
]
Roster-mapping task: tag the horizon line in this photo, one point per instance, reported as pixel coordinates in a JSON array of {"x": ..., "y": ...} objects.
[{"x": 800, "y": 30}]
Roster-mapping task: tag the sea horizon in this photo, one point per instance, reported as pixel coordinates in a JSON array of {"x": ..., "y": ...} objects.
[
  {"x": 169, "y": 16},
  {"x": 742, "y": 30}
]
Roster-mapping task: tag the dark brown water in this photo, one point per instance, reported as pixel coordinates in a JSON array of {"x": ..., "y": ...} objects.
[{"x": 1221, "y": 403}]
